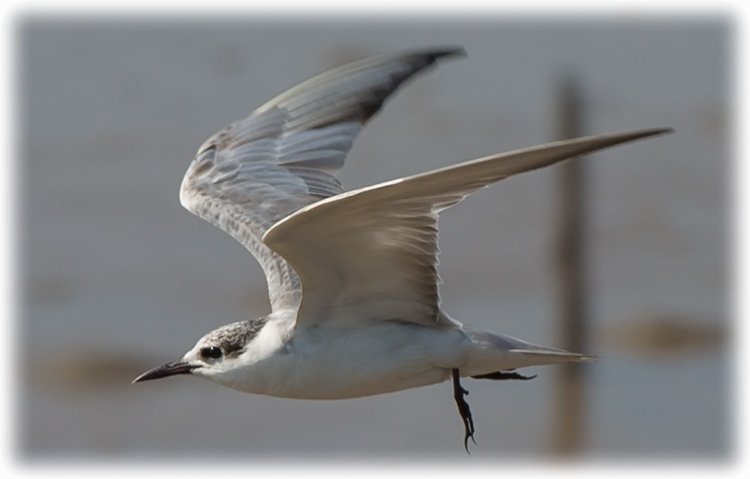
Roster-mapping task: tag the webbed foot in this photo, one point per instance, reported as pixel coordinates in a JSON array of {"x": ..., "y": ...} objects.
[{"x": 501, "y": 375}]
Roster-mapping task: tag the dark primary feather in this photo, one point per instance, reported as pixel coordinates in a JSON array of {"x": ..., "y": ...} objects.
[{"x": 285, "y": 155}]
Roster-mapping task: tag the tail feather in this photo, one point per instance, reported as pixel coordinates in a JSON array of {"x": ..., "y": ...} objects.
[
  {"x": 560, "y": 354},
  {"x": 491, "y": 353}
]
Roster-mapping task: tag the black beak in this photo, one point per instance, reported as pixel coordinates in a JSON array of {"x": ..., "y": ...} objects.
[{"x": 169, "y": 369}]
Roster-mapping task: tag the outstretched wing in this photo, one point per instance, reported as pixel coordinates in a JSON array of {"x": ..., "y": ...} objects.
[
  {"x": 285, "y": 156},
  {"x": 370, "y": 254}
]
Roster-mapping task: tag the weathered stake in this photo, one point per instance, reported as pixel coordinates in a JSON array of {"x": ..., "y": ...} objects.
[{"x": 568, "y": 434}]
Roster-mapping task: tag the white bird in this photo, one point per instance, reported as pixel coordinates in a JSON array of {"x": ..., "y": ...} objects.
[{"x": 352, "y": 276}]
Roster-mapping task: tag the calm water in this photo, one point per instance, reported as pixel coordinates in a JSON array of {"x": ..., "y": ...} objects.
[{"x": 117, "y": 277}]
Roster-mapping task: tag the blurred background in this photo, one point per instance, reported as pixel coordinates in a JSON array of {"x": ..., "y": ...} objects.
[{"x": 117, "y": 277}]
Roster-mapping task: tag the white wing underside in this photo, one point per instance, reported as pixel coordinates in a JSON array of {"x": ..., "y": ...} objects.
[{"x": 372, "y": 253}]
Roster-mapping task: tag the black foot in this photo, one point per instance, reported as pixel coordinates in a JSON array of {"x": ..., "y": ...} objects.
[
  {"x": 500, "y": 375},
  {"x": 463, "y": 409}
]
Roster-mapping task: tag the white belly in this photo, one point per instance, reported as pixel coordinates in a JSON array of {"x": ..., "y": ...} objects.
[{"x": 348, "y": 362}]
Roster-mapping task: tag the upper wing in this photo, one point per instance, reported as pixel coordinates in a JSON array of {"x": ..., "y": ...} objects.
[
  {"x": 286, "y": 153},
  {"x": 371, "y": 253}
]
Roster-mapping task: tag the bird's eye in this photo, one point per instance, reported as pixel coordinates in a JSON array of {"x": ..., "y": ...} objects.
[{"x": 211, "y": 352}]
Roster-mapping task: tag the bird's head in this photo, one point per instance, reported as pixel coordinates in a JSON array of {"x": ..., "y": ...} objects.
[{"x": 214, "y": 355}]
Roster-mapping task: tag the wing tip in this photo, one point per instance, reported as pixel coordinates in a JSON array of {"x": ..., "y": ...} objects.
[
  {"x": 614, "y": 139},
  {"x": 659, "y": 131},
  {"x": 433, "y": 54},
  {"x": 448, "y": 51},
  {"x": 645, "y": 133}
]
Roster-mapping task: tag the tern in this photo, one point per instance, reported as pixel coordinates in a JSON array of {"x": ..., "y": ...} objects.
[{"x": 352, "y": 275}]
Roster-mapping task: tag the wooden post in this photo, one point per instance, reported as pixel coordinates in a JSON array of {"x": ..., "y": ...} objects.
[{"x": 568, "y": 435}]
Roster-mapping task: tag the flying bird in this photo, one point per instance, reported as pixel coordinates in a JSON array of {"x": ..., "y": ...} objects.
[{"x": 352, "y": 275}]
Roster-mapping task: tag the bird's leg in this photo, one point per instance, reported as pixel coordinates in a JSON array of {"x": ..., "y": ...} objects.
[
  {"x": 502, "y": 375},
  {"x": 463, "y": 409}
]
